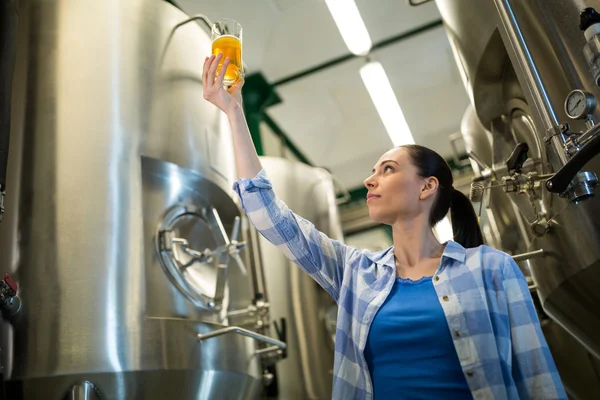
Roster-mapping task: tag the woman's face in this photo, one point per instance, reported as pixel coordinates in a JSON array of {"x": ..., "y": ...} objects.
[{"x": 396, "y": 191}]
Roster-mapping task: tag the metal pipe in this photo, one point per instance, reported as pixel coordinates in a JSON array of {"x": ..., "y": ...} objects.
[
  {"x": 244, "y": 332},
  {"x": 587, "y": 136},
  {"x": 541, "y": 101},
  {"x": 260, "y": 282},
  {"x": 9, "y": 23},
  {"x": 529, "y": 255},
  {"x": 267, "y": 350},
  {"x": 532, "y": 76},
  {"x": 197, "y": 17}
]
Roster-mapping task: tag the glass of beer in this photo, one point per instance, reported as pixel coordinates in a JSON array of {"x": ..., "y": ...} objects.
[{"x": 227, "y": 39}]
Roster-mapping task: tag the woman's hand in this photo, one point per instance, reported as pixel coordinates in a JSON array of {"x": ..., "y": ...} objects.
[{"x": 228, "y": 100}]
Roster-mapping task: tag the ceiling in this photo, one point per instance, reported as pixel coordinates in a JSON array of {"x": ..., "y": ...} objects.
[{"x": 329, "y": 115}]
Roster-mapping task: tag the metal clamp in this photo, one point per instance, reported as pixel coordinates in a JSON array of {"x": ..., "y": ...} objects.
[
  {"x": 582, "y": 187},
  {"x": 556, "y": 130}
]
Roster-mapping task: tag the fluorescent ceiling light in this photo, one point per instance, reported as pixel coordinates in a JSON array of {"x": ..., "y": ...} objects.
[
  {"x": 384, "y": 99},
  {"x": 351, "y": 25}
]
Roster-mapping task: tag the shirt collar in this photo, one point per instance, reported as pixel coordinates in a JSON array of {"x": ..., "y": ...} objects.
[{"x": 453, "y": 250}]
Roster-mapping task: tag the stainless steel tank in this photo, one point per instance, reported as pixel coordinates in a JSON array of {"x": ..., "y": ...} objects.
[
  {"x": 504, "y": 228},
  {"x": 121, "y": 180},
  {"x": 501, "y": 223},
  {"x": 309, "y": 311},
  {"x": 519, "y": 60}
]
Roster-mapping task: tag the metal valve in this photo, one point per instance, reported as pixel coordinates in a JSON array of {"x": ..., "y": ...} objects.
[
  {"x": 177, "y": 255},
  {"x": 10, "y": 303},
  {"x": 523, "y": 183},
  {"x": 231, "y": 248}
]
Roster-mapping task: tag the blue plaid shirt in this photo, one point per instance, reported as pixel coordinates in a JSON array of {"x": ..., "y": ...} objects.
[{"x": 485, "y": 298}]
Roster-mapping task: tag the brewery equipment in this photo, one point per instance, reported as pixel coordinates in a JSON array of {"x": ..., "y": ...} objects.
[
  {"x": 530, "y": 69},
  {"x": 131, "y": 254},
  {"x": 504, "y": 228},
  {"x": 520, "y": 61},
  {"x": 310, "y": 312}
]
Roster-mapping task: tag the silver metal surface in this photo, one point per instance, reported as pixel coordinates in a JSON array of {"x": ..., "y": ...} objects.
[
  {"x": 90, "y": 100},
  {"x": 525, "y": 63},
  {"x": 519, "y": 60},
  {"x": 591, "y": 51},
  {"x": 204, "y": 384},
  {"x": 85, "y": 390},
  {"x": 200, "y": 275},
  {"x": 582, "y": 187},
  {"x": 307, "y": 371},
  {"x": 501, "y": 226}
]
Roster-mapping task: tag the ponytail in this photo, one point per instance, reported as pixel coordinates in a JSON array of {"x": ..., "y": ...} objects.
[
  {"x": 465, "y": 224},
  {"x": 464, "y": 221}
]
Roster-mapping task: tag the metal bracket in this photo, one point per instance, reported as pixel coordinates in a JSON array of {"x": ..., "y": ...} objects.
[{"x": 561, "y": 129}]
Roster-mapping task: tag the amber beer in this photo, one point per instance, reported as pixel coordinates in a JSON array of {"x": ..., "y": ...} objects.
[
  {"x": 231, "y": 47},
  {"x": 227, "y": 39}
]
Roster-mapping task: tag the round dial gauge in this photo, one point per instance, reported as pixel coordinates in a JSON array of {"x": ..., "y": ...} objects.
[{"x": 579, "y": 104}]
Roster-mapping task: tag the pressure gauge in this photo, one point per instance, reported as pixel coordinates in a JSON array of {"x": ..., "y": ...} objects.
[{"x": 579, "y": 104}]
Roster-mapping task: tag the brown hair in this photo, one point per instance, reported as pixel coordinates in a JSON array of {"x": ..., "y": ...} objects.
[{"x": 464, "y": 220}]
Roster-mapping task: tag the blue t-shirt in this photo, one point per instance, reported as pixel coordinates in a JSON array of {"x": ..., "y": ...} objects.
[{"x": 409, "y": 349}]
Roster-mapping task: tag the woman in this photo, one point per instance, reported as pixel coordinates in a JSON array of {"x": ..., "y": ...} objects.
[{"x": 422, "y": 319}]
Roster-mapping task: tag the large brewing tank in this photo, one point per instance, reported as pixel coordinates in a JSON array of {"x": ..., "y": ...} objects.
[
  {"x": 115, "y": 156},
  {"x": 519, "y": 60},
  {"x": 504, "y": 228},
  {"x": 309, "y": 311},
  {"x": 501, "y": 223}
]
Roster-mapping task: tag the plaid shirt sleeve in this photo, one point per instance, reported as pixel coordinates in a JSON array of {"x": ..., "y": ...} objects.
[
  {"x": 313, "y": 251},
  {"x": 533, "y": 368}
]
